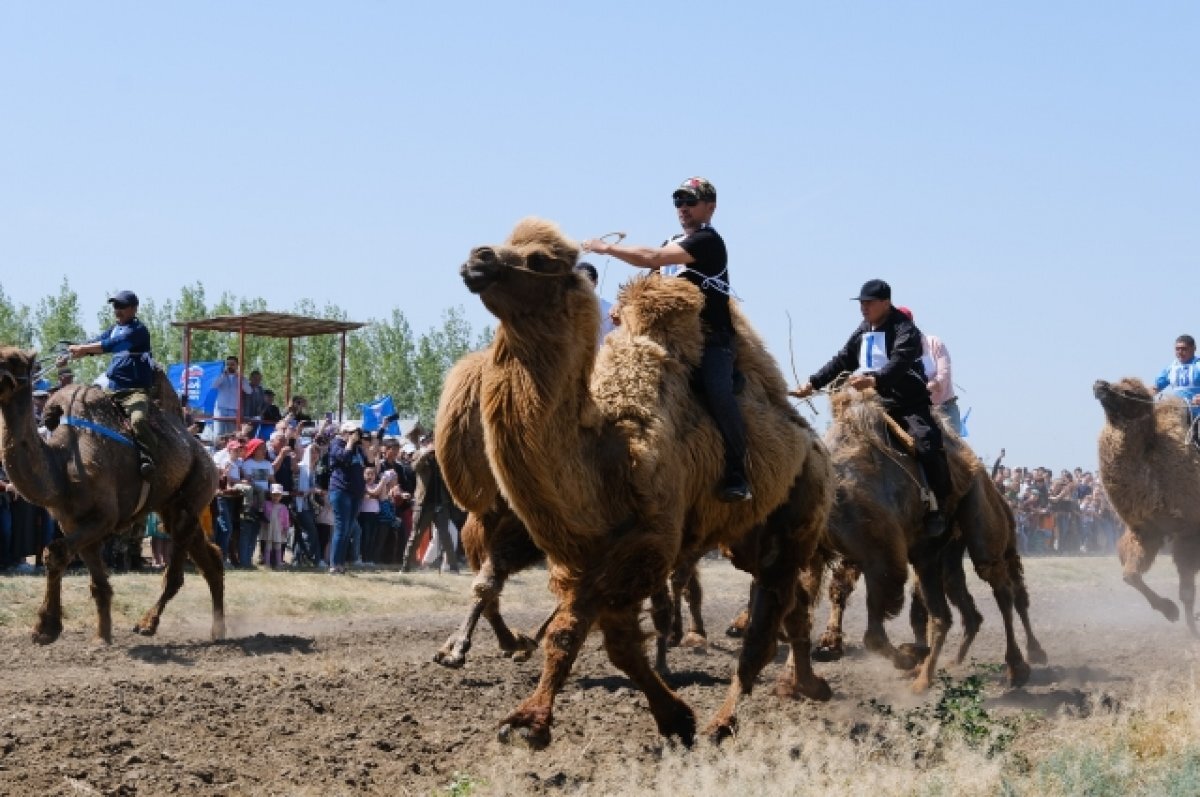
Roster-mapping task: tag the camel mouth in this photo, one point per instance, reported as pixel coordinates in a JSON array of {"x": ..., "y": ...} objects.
[
  {"x": 478, "y": 275},
  {"x": 1101, "y": 389}
]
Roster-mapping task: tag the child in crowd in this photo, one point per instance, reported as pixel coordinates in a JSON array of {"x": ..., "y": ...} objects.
[{"x": 275, "y": 527}]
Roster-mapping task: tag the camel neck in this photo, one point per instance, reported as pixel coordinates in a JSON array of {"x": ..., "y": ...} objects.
[{"x": 26, "y": 456}]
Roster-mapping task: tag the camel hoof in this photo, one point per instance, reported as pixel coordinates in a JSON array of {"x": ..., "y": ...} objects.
[
  {"x": 218, "y": 632},
  {"x": 735, "y": 631},
  {"x": 535, "y": 739},
  {"x": 682, "y": 725},
  {"x": 1018, "y": 674},
  {"x": 1038, "y": 656},
  {"x": 449, "y": 659},
  {"x": 718, "y": 732},
  {"x": 144, "y": 630},
  {"x": 524, "y": 654},
  {"x": 828, "y": 652},
  {"x": 1169, "y": 610},
  {"x": 44, "y": 639},
  {"x": 909, "y": 656},
  {"x": 695, "y": 642}
]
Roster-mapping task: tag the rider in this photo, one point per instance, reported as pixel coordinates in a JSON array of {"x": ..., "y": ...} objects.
[
  {"x": 701, "y": 253},
  {"x": 884, "y": 353},
  {"x": 131, "y": 372},
  {"x": 1182, "y": 377}
]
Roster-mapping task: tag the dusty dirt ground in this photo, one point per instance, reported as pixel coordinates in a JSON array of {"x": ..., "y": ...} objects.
[{"x": 338, "y": 702}]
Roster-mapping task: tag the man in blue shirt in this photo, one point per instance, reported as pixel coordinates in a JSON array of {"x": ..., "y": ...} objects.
[
  {"x": 131, "y": 372},
  {"x": 1182, "y": 377}
]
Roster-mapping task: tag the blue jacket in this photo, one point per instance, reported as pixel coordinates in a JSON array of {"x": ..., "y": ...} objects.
[
  {"x": 132, "y": 365},
  {"x": 1182, "y": 379},
  {"x": 346, "y": 468}
]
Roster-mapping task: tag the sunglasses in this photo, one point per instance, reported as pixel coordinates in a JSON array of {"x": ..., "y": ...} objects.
[
  {"x": 117, "y": 306},
  {"x": 690, "y": 202}
]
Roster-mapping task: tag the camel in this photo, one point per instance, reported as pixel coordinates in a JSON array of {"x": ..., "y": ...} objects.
[
  {"x": 495, "y": 540},
  {"x": 613, "y": 470},
  {"x": 1151, "y": 472},
  {"x": 993, "y": 538},
  {"x": 876, "y": 527},
  {"x": 89, "y": 482}
]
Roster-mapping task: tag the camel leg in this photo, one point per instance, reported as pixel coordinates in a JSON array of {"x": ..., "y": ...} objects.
[
  {"x": 678, "y": 581},
  {"x": 662, "y": 616},
  {"x": 624, "y": 645},
  {"x": 798, "y": 679},
  {"x": 207, "y": 558},
  {"x": 513, "y": 644},
  {"x": 564, "y": 637},
  {"x": 102, "y": 591},
  {"x": 954, "y": 578},
  {"x": 831, "y": 645},
  {"x": 697, "y": 636},
  {"x": 1186, "y": 553},
  {"x": 487, "y": 586},
  {"x": 885, "y": 596},
  {"x": 171, "y": 582},
  {"x": 57, "y": 557},
  {"x": 911, "y": 653},
  {"x": 929, "y": 573},
  {"x": 737, "y": 626},
  {"x": 1137, "y": 551},
  {"x": 1016, "y": 575},
  {"x": 997, "y": 576}
]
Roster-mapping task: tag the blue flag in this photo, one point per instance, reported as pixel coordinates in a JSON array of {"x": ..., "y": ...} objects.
[
  {"x": 963, "y": 423},
  {"x": 202, "y": 395},
  {"x": 374, "y": 413}
]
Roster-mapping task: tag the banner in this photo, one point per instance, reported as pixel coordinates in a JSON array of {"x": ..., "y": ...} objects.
[
  {"x": 202, "y": 395},
  {"x": 374, "y": 413}
]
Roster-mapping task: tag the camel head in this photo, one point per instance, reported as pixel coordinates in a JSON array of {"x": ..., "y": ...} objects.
[
  {"x": 16, "y": 371},
  {"x": 663, "y": 309},
  {"x": 1125, "y": 401},
  {"x": 533, "y": 270}
]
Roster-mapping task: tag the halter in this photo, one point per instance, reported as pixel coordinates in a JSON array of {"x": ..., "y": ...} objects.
[{"x": 617, "y": 238}]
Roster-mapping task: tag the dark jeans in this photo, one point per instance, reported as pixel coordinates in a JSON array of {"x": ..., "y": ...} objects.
[
  {"x": 224, "y": 525},
  {"x": 345, "y": 508},
  {"x": 931, "y": 451},
  {"x": 6, "y": 556},
  {"x": 716, "y": 374},
  {"x": 248, "y": 541},
  {"x": 307, "y": 538},
  {"x": 369, "y": 521}
]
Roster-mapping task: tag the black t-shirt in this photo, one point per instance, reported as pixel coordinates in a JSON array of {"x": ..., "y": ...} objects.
[{"x": 711, "y": 261}]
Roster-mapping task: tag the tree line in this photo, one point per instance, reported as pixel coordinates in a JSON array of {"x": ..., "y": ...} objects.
[{"x": 384, "y": 357}]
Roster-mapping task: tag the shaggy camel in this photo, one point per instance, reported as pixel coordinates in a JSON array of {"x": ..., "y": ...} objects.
[
  {"x": 90, "y": 485},
  {"x": 876, "y": 525},
  {"x": 1151, "y": 473},
  {"x": 992, "y": 537},
  {"x": 496, "y": 542},
  {"x": 613, "y": 470}
]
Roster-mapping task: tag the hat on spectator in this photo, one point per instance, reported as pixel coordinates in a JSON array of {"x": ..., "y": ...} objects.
[
  {"x": 349, "y": 426},
  {"x": 41, "y": 393},
  {"x": 253, "y": 446},
  {"x": 907, "y": 313},
  {"x": 409, "y": 448},
  {"x": 277, "y": 489},
  {"x": 873, "y": 290},
  {"x": 698, "y": 188},
  {"x": 391, "y": 442},
  {"x": 123, "y": 298}
]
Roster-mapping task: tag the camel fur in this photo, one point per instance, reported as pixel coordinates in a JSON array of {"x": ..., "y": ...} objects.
[
  {"x": 876, "y": 527},
  {"x": 91, "y": 486},
  {"x": 1151, "y": 473},
  {"x": 613, "y": 469}
]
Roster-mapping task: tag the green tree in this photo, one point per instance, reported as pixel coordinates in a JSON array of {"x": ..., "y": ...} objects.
[
  {"x": 57, "y": 319},
  {"x": 437, "y": 350},
  {"x": 16, "y": 328}
]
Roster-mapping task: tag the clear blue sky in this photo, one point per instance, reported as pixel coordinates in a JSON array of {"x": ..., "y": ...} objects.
[{"x": 1025, "y": 174}]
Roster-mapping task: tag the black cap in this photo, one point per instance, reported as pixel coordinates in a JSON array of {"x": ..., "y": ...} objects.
[
  {"x": 873, "y": 289},
  {"x": 123, "y": 297}
]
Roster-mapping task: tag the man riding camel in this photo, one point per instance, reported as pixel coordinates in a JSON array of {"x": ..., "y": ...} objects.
[
  {"x": 131, "y": 372},
  {"x": 884, "y": 353}
]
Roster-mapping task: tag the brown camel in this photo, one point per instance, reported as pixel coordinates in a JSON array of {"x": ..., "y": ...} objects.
[
  {"x": 90, "y": 485},
  {"x": 876, "y": 525},
  {"x": 495, "y": 540},
  {"x": 990, "y": 538},
  {"x": 613, "y": 469},
  {"x": 1151, "y": 472}
]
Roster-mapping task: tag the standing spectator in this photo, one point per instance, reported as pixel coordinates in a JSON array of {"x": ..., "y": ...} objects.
[
  {"x": 368, "y": 516},
  {"x": 227, "y": 386},
  {"x": 276, "y": 523},
  {"x": 256, "y": 400},
  {"x": 1182, "y": 377},
  {"x": 346, "y": 487},
  {"x": 431, "y": 506},
  {"x": 298, "y": 409},
  {"x": 938, "y": 374},
  {"x": 160, "y": 542},
  {"x": 304, "y": 518},
  {"x": 256, "y": 474},
  {"x": 270, "y": 411},
  {"x": 229, "y": 472}
]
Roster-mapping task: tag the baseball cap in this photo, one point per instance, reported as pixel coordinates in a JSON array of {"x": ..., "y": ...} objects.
[
  {"x": 873, "y": 289},
  {"x": 349, "y": 426},
  {"x": 253, "y": 446},
  {"x": 123, "y": 297},
  {"x": 697, "y": 187}
]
